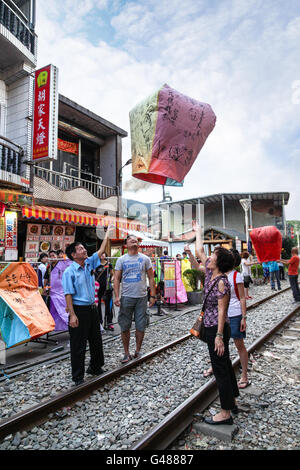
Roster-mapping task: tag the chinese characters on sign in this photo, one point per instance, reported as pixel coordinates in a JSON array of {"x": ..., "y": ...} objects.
[
  {"x": 11, "y": 240},
  {"x": 66, "y": 146},
  {"x": 45, "y": 114}
]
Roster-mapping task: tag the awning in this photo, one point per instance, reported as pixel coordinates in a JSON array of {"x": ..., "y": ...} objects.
[
  {"x": 15, "y": 197},
  {"x": 150, "y": 243},
  {"x": 70, "y": 216},
  {"x": 146, "y": 241}
]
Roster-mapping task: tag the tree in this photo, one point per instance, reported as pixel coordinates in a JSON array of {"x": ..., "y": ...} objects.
[{"x": 287, "y": 245}]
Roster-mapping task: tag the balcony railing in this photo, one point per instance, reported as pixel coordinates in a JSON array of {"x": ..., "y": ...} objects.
[
  {"x": 10, "y": 157},
  {"x": 68, "y": 182},
  {"x": 17, "y": 27}
]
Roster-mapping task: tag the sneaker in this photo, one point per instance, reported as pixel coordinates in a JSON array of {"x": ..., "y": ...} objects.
[
  {"x": 111, "y": 327},
  {"x": 137, "y": 355},
  {"x": 126, "y": 359}
]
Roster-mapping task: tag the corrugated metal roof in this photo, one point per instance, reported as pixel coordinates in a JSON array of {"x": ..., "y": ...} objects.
[
  {"x": 86, "y": 119},
  {"x": 229, "y": 232},
  {"x": 277, "y": 197}
]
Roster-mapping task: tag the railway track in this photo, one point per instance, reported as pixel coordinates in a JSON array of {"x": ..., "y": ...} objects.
[
  {"x": 161, "y": 435},
  {"x": 17, "y": 369},
  {"x": 20, "y": 368}
]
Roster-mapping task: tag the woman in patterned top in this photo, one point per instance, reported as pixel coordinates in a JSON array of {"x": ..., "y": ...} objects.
[{"x": 217, "y": 329}]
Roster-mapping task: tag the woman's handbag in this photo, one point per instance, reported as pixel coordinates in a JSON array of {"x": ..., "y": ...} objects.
[{"x": 198, "y": 328}]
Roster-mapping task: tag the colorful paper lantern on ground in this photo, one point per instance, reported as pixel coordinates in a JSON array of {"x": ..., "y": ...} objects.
[
  {"x": 267, "y": 242},
  {"x": 23, "y": 313},
  {"x": 168, "y": 130}
]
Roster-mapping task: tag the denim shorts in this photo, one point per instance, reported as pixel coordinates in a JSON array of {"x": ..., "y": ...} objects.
[
  {"x": 235, "y": 324},
  {"x": 133, "y": 308},
  {"x": 246, "y": 281}
]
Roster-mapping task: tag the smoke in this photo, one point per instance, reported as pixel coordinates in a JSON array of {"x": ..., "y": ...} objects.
[{"x": 136, "y": 185}]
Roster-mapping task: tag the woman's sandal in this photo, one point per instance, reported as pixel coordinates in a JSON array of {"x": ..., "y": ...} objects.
[{"x": 207, "y": 372}]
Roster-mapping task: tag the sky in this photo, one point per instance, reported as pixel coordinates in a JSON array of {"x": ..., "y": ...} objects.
[{"x": 240, "y": 56}]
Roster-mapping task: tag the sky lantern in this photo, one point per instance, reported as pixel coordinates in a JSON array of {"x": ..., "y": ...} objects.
[
  {"x": 168, "y": 130},
  {"x": 23, "y": 313},
  {"x": 267, "y": 242}
]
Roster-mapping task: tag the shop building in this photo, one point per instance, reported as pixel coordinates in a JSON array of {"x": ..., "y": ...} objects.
[
  {"x": 48, "y": 204},
  {"x": 80, "y": 189},
  {"x": 18, "y": 46}
]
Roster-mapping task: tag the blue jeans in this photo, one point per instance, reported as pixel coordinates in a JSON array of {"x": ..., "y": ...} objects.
[{"x": 275, "y": 275}]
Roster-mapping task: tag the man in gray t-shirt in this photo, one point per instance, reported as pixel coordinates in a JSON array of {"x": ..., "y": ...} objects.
[{"x": 132, "y": 268}]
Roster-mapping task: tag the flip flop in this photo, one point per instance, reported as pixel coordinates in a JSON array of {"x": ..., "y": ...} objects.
[
  {"x": 207, "y": 373},
  {"x": 243, "y": 383},
  {"x": 126, "y": 359}
]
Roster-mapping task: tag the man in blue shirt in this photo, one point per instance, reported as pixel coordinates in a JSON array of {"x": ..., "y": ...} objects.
[{"x": 84, "y": 323}]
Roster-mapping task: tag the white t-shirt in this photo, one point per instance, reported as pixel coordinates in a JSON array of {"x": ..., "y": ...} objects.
[
  {"x": 245, "y": 269},
  {"x": 234, "y": 308}
]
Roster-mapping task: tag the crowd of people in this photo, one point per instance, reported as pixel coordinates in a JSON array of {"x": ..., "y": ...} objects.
[{"x": 86, "y": 280}]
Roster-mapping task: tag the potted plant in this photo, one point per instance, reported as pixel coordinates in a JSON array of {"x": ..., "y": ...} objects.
[{"x": 194, "y": 277}]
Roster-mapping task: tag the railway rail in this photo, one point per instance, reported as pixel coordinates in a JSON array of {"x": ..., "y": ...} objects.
[
  {"x": 161, "y": 435},
  {"x": 17, "y": 369}
]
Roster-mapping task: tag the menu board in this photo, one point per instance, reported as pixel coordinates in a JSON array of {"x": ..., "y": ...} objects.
[
  {"x": 32, "y": 250},
  {"x": 41, "y": 238}
]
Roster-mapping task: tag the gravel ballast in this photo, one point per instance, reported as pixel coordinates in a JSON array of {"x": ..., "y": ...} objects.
[{"x": 119, "y": 413}]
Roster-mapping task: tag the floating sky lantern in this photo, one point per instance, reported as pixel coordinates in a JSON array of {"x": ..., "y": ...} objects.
[
  {"x": 168, "y": 130},
  {"x": 267, "y": 242}
]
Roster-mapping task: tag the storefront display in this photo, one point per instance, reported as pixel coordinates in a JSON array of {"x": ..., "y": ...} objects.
[{"x": 41, "y": 238}]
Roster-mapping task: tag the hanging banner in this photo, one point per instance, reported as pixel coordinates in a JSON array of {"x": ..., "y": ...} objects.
[
  {"x": 23, "y": 313},
  {"x": 69, "y": 147},
  {"x": 45, "y": 115},
  {"x": 186, "y": 264},
  {"x": 11, "y": 236},
  {"x": 168, "y": 130},
  {"x": 169, "y": 278}
]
